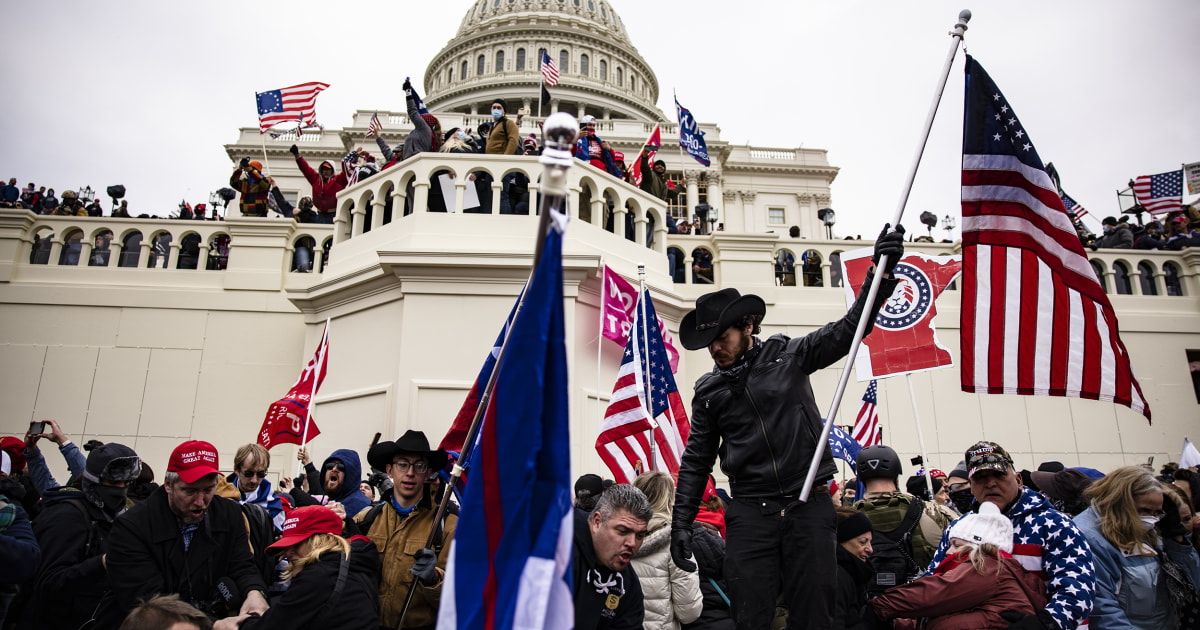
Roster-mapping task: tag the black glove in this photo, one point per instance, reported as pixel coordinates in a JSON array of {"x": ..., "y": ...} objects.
[
  {"x": 295, "y": 150},
  {"x": 244, "y": 163},
  {"x": 681, "y": 548},
  {"x": 1041, "y": 621},
  {"x": 1171, "y": 525},
  {"x": 425, "y": 567},
  {"x": 891, "y": 244}
]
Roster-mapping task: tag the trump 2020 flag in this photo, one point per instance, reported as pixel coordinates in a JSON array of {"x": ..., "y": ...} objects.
[
  {"x": 286, "y": 417},
  {"x": 903, "y": 339},
  {"x": 617, "y": 314},
  {"x": 690, "y": 136},
  {"x": 844, "y": 447},
  {"x": 509, "y": 564}
]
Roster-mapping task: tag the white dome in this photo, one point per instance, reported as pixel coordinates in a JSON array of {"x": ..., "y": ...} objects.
[{"x": 596, "y": 12}]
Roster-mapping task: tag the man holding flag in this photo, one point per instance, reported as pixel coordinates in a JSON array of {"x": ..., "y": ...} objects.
[{"x": 757, "y": 410}]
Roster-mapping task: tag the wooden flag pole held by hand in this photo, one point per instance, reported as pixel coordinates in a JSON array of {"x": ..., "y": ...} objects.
[{"x": 956, "y": 35}]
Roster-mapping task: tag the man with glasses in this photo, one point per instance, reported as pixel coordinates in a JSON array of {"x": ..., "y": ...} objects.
[
  {"x": 339, "y": 479},
  {"x": 250, "y": 466},
  {"x": 400, "y": 528}
]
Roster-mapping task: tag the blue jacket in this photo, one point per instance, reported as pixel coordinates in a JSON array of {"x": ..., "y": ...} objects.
[
  {"x": 1047, "y": 544},
  {"x": 351, "y": 497},
  {"x": 582, "y": 152},
  {"x": 1129, "y": 590}
]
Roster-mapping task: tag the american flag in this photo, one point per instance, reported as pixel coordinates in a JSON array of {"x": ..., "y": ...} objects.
[
  {"x": 1076, "y": 211},
  {"x": 1034, "y": 319},
  {"x": 374, "y": 127},
  {"x": 1160, "y": 193},
  {"x": 623, "y": 443},
  {"x": 549, "y": 69},
  {"x": 867, "y": 431},
  {"x": 288, "y": 104}
]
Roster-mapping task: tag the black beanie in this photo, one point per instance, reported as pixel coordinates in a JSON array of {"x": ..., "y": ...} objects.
[
  {"x": 502, "y": 103},
  {"x": 114, "y": 462},
  {"x": 853, "y": 527}
]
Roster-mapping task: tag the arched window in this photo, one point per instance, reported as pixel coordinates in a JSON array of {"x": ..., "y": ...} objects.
[
  {"x": 101, "y": 249},
  {"x": 811, "y": 268},
  {"x": 520, "y": 59},
  {"x": 702, "y": 266},
  {"x": 450, "y": 75},
  {"x": 591, "y": 6},
  {"x": 1098, "y": 269},
  {"x": 603, "y": 70},
  {"x": 564, "y": 62},
  {"x": 1121, "y": 279},
  {"x": 463, "y": 74},
  {"x": 71, "y": 248},
  {"x": 479, "y": 64},
  {"x": 1146, "y": 276},
  {"x": 499, "y": 61},
  {"x": 632, "y": 83},
  {"x": 131, "y": 249},
  {"x": 785, "y": 268},
  {"x": 583, "y": 65},
  {"x": 675, "y": 260},
  {"x": 619, "y": 77},
  {"x": 1171, "y": 278},
  {"x": 835, "y": 269}
]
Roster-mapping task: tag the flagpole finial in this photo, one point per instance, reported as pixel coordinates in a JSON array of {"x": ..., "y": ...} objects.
[
  {"x": 964, "y": 16},
  {"x": 559, "y": 131}
]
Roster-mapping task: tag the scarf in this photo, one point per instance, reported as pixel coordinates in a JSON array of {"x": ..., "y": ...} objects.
[
  {"x": 267, "y": 500},
  {"x": 738, "y": 372},
  {"x": 399, "y": 510},
  {"x": 8, "y": 514}
]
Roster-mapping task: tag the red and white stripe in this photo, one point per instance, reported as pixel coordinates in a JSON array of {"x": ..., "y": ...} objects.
[
  {"x": 624, "y": 441},
  {"x": 549, "y": 69},
  {"x": 1035, "y": 320},
  {"x": 374, "y": 127},
  {"x": 867, "y": 431},
  {"x": 298, "y": 100}
]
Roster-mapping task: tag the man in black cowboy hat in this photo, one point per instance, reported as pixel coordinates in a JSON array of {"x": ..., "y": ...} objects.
[
  {"x": 401, "y": 523},
  {"x": 756, "y": 409}
]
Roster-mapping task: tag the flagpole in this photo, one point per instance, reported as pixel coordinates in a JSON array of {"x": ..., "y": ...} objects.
[
  {"x": 558, "y": 137},
  {"x": 912, "y": 395},
  {"x": 646, "y": 387},
  {"x": 600, "y": 337},
  {"x": 682, "y": 164},
  {"x": 956, "y": 36},
  {"x": 266, "y": 164},
  {"x": 316, "y": 377}
]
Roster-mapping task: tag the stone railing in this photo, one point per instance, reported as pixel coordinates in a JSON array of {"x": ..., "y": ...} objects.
[{"x": 385, "y": 197}]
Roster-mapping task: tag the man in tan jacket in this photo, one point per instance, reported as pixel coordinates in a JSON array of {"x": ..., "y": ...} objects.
[{"x": 400, "y": 528}]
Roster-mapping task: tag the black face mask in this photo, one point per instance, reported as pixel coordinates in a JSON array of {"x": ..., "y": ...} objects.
[
  {"x": 962, "y": 500},
  {"x": 12, "y": 489},
  {"x": 113, "y": 497}
]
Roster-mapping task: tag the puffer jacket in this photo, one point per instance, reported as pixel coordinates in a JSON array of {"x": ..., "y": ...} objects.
[
  {"x": 324, "y": 191},
  {"x": 672, "y": 595},
  {"x": 765, "y": 425}
]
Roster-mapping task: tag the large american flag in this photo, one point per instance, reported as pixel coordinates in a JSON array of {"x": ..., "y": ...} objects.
[
  {"x": 549, "y": 69},
  {"x": 623, "y": 443},
  {"x": 1160, "y": 193},
  {"x": 867, "y": 431},
  {"x": 1034, "y": 319},
  {"x": 288, "y": 104}
]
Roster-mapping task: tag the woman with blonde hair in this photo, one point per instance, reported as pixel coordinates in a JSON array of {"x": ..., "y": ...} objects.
[
  {"x": 672, "y": 595},
  {"x": 333, "y": 582},
  {"x": 1133, "y": 540}
]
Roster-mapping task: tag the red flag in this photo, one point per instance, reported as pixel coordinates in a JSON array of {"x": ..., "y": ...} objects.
[
  {"x": 903, "y": 339},
  {"x": 616, "y": 314},
  {"x": 285, "y": 419},
  {"x": 651, "y": 151}
]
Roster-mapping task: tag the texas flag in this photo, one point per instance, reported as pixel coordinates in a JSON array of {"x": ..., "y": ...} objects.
[{"x": 903, "y": 339}]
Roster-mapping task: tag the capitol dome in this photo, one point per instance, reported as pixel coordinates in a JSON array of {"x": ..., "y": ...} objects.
[{"x": 496, "y": 53}]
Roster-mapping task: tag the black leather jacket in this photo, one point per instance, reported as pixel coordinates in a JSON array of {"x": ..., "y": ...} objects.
[{"x": 766, "y": 432}]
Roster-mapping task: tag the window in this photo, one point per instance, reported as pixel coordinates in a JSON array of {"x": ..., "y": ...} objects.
[
  {"x": 1146, "y": 275},
  {"x": 775, "y": 216},
  {"x": 520, "y": 59},
  {"x": 1171, "y": 277},
  {"x": 603, "y": 12},
  {"x": 785, "y": 268},
  {"x": 450, "y": 75},
  {"x": 479, "y": 63},
  {"x": 564, "y": 62},
  {"x": 1193, "y": 357},
  {"x": 463, "y": 74},
  {"x": 618, "y": 77},
  {"x": 603, "y": 70},
  {"x": 1098, "y": 269},
  {"x": 632, "y": 83},
  {"x": 583, "y": 65},
  {"x": 1121, "y": 279},
  {"x": 811, "y": 268},
  {"x": 499, "y": 61},
  {"x": 496, "y": 4},
  {"x": 835, "y": 269},
  {"x": 591, "y": 6}
]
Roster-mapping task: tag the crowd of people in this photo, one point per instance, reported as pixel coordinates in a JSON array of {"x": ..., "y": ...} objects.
[{"x": 1175, "y": 231}]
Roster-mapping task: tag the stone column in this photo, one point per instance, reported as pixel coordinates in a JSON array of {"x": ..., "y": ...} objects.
[
  {"x": 201, "y": 264},
  {"x": 748, "y": 210},
  {"x": 85, "y": 253},
  {"x": 731, "y": 209},
  {"x": 377, "y": 208},
  {"x": 474, "y": 109},
  {"x": 173, "y": 261},
  {"x": 823, "y": 201},
  {"x": 357, "y": 216},
  {"x": 115, "y": 250},
  {"x": 143, "y": 256},
  {"x": 581, "y": 112},
  {"x": 693, "y": 190},
  {"x": 606, "y": 113},
  {"x": 806, "y": 219},
  {"x": 715, "y": 196}
]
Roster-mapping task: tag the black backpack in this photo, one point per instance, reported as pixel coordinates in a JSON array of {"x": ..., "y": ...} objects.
[{"x": 892, "y": 555}]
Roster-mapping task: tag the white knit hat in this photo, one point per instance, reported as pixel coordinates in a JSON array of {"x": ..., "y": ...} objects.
[{"x": 988, "y": 526}]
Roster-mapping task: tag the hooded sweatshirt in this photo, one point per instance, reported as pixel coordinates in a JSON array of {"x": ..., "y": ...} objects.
[
  {"x": 350, "y": 496},
  {"x": 324, "y": 191}
]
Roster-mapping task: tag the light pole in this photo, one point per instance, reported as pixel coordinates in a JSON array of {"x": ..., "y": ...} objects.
[
  {"x": 948, "y": 223},
  {"x": 828, "y": 217}
]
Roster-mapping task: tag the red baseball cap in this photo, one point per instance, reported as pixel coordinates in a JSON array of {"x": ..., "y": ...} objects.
[
  {"x": 15, "y": 447},
  {"x": 303, "y": 522},
  {"x": 192, "y": 460}
]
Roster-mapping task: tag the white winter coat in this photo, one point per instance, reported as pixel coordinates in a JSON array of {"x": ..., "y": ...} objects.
[{"x": 672, "y": 594}]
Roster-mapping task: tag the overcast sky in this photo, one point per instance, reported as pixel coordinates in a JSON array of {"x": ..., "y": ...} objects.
[{"x": 147, "y": 93}]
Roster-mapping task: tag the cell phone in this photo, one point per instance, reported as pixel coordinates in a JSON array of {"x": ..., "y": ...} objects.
[
  {"x": 524, "y": 111},
  {"x": 1150, "y": 461},
  {"x": 37, "y": 428}
]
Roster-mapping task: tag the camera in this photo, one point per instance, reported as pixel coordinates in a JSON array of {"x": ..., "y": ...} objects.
[
  {"x": 244, "y": 163},
  {"x": 917, "y": 461}
]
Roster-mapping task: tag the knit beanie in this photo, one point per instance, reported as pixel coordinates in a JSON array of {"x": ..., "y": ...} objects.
[
  {"x": 853, "y": 527},
  {"x": 114, "y": 462},
  {"x": 986, "y": 526},
  {"x": 15, "y": 447}
]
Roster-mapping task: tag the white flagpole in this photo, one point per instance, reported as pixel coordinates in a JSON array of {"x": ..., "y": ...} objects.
[
  {"x": 316, "y": 377},
  {"x": 600, "y": 339},
  {"x": 646, "y": 387},
  {"x": 956, "y": 37},
  {"x": 912, "y": 395}
]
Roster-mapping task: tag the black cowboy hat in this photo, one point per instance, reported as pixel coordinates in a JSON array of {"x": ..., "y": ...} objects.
[
  {"x": 714, "y": 313},
  {"x": 413, "y": 442}
]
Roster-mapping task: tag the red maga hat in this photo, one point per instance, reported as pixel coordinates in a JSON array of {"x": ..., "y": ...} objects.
[
  {"x": 303, "y": 522},
  {"x": 193, "y": 460}
]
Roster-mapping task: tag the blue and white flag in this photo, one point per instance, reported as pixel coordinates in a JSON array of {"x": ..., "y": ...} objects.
[
  {"x": 509, "y": 564},
  {"x": 690, "y": 136},
  {"x": 417, "y": 97},
  {"x": 844, "y": 447}
]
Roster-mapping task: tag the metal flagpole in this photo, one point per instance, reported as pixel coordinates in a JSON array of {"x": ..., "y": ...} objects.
[
  {"x": 600, "y": 339},
  {"x": 558, "y": 137},
  {"x": 324, "y": 342},
  {"x": 266, "y": 163},
  {"x": 646, "y": 387},
  {"x": 956, "y": 36},
  {"x": 682, "y": 164},
  {"x": 912, "y": 395}
]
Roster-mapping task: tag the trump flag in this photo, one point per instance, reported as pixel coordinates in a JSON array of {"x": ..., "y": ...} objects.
[
  {"x": 903, "y": 339},
  {"x": 510, "y": 560},
  {"x": 285, "y": 419},
  {"x": 617, "y": 313}
]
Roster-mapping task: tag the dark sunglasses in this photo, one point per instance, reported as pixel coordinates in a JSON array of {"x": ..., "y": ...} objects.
[
  {"x": 252, "y": 474},
  {"x": 338, "y": 465}
]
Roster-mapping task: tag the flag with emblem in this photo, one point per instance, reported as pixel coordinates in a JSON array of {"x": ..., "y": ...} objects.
[
  {"x": 636, "y": 406},
  {"x": 1160, "y": 193},
  {"x": 867, "y": 431},
  {"x": 286, "y": 417},
  {"x": 509, "y": 562},
  {"x": 374, "y": 127},
  {"x": 289, "y": 104},
  {"x": 844, "y": 447},
  {"x": 549, "y": 69},
  {"x": 1034, "y": 319},
  {"x": 690, "y": 136}
]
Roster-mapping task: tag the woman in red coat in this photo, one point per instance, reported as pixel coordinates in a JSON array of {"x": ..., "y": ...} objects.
[{"x": 976, "y": 582}]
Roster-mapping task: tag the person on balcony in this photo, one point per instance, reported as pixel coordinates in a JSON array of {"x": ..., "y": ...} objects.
[
  {"x": 325, "y": 185},
  {"x": 1116, "y": 235},
  {"x": 70, "y": 206},
  {"x": 248, "y": 179},
  {"x": 655, "y": 182},
  {"x": 591, "y": 149},
  {"x": 425, "y": 136}
]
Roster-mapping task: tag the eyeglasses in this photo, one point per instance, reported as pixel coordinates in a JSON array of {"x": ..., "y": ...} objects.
[
  {"x": 253, "y": 474},
  {"x": 332, "y": 465},
  {"x": 955, "y": 487},
  {"x": 1145, "y": 512},
  {"x": 420, "y": 466}
]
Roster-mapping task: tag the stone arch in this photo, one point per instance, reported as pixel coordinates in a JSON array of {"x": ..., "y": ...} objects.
[
  {"x": 785, "y": 267},
  {"x": 1121, "y": 282},
  {"x": 160, "y": 248},
  {"x": 1098, "y": 269},
  {"x": 131, "y": 248},
  {"x": 72, "y": 246},
  {"x": 1172, "y": 276},
  {"x": 39, "y": 253},
  {"x": 835, "y": 269},
  {"x": 1146, "y": 273},
  {"x": 702, "y": 266},
  {"x": 810, "y": 263},
  {"x": 326, "y": 250},
  {"x": 101, "y": 239},
  {"x": 189, "y": 250},
  {"x": 218, "y": 251},
  {"x": 675, "y": 260}
]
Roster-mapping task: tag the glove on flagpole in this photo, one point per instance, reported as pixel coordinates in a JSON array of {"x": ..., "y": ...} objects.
[{"x": 956, "y": 36}]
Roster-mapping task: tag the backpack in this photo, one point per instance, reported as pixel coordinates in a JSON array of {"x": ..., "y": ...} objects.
[
  {"x": 892, "y": 555},
  {"x": 261, "y": 532}
]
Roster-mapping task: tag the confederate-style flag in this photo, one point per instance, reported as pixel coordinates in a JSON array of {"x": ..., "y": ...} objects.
[
  {"x": 903, "y": 339},
  {"x": 287, "y": 417}
]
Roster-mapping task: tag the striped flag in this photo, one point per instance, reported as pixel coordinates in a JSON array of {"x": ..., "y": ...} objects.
[
  {"x": 298, "y": 102},
  {"x": 549, "y": 69},
  {"x": 374, "y": 127},
  {"x": 1076, "y": 211},
  {"x": 623, "y": 443},
  {"x": 1160, "y": 193},
  {"x": 1034, "y": 319},
  {"x": 867, "y": 431}
]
